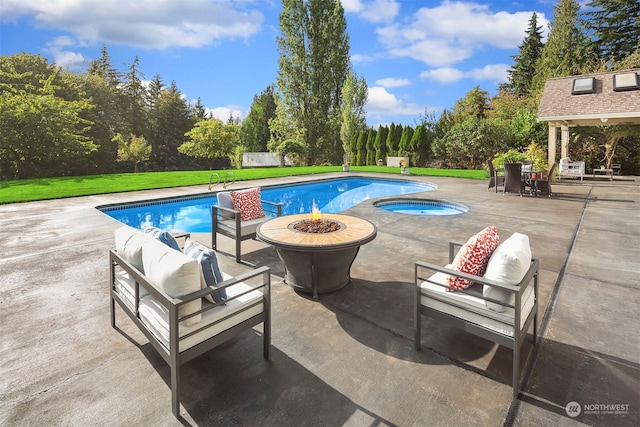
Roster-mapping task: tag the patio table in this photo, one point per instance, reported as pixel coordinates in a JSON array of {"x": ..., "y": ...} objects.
[{"x": 604, "y": 172}]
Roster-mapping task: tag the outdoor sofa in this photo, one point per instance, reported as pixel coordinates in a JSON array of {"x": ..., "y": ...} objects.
[{"x": 180, "y": 299}]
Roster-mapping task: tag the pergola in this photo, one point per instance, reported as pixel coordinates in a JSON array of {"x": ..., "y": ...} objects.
[{"x": 600, "y": 99}]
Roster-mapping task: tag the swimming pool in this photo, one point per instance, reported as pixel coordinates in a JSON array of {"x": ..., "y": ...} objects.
[{"x": 193, "y": 214}]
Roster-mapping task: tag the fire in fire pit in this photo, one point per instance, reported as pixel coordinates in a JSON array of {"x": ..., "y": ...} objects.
[{"x": 316, "y": 224}]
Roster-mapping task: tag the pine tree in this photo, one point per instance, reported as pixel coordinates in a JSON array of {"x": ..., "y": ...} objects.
[
  {"x": 616, "y": 25},
  {"x": 254, "y": 132},
  {"x": 567, "y": 49},
  {"x": 522, "y": 72}
]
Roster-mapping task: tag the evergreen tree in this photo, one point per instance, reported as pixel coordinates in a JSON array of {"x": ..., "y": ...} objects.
[
  {"x": 254, "y": 132},
  {"x": 353, "y": 147},
  {"x": 522, "y": 72},
  {"x": 313, "y": 66},
  {"x": 473, "y": 105},
  {"x": 104, "y": 68},
  {"x": 361, "y": 148},
  {"x": 393, "y": 139},
  {"x": 421, "y": 144},
  {"x": 135, "y": 99},
  {"x": 380, "y": 143},
  {"x": 616, "y": 26},
  {"x": 567, "y": 49},
  {"x": 174, "y": 120},
  {"x": 198, "y": 112},
  {"x": 404, "y": 147},
  {"x": 371, "y": 151}
]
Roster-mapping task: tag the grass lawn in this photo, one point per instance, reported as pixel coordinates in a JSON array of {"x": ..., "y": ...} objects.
[{"x": 28, "y": 190}]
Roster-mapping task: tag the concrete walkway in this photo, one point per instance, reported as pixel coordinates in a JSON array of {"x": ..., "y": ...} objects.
[{"x": 346, "y": 358}]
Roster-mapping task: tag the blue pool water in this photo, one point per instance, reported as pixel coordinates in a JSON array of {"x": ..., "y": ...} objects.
[
  {"x": 422, "y": 207},
  {"x": 193, "y": 214}
]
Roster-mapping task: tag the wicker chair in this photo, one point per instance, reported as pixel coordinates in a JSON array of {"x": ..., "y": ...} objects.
[
  {"x": 513, "y": 182},
  {"x": 543, "y": 185},
  {"x": 496, "y": 177}
]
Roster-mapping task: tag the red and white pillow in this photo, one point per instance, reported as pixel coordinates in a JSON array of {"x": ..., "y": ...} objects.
[
  {"x": 473, "y": 256},
  {"x": 248, "y": 202}
]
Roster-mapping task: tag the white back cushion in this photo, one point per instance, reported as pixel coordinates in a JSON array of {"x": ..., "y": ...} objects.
[
  {"x": 508, "y": 265},
  {"x": 129, "y": 243},
  {"x": 174, "y": 273}
]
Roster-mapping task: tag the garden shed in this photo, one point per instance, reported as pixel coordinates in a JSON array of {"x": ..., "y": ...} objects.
[{"x": 600, "y": 99}]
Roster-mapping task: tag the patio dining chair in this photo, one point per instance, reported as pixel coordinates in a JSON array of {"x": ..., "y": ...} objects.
[
  {"x": 513, "y": 182},
  {"x": 496, "y": 176},
  {"x": 543, "y": 185}
]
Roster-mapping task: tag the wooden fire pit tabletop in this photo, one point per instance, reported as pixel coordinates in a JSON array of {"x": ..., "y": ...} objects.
[{"x": 279, "y": 232}]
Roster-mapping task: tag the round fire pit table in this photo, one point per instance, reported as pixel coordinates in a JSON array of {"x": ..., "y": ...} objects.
[{"x": 317, "y": 262}]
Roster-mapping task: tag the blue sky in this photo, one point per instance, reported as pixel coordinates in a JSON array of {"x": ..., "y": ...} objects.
[{"x": 416, "y": 55}]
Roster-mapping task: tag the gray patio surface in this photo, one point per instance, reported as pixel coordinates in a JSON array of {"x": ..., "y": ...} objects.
[{"x": 346, "y": 358}]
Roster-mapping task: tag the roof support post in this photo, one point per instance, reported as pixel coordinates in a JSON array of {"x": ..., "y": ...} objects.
[
  {"x": 564, "y": 141},
  {"x": 551, "y": 156}
]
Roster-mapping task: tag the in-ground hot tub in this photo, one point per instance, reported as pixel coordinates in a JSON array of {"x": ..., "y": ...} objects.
[{"x": 426, "y": 207}]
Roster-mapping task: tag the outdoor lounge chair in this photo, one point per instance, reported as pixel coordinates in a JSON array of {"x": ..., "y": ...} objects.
[
  {"x": 513, "y": 182},
  {"x": 228, "y": 221},
  {"x": 500, "y": 306},
  {"x": 183, "y": 314},
  {"x": 496, "y": 177}
]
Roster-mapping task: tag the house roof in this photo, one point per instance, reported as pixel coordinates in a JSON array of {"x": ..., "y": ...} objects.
[{"x": 604, "y": 106}]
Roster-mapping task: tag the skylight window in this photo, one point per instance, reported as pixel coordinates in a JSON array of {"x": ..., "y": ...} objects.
[
  {"x": 626, "y": 81},
  {"x": 583, "y": 85}
]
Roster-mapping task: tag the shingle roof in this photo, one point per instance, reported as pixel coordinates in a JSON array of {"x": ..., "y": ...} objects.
[{"x": 603, "y": 106}]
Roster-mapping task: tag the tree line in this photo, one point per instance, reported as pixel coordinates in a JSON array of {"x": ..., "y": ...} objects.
[{"x": 105, "y": 120}]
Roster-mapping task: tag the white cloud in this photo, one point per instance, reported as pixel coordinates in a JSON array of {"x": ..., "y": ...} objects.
[
  {"x": 151, "y": 24},
  {"x": 358, "y": 58},
  {"x": 443, "y": 75},
  {"x": 373, "y": 10},
  {"x": 64, "y": 57},
  {"x": 382, "y": 103},
  {"x": 446, "y": 75},
  {"x": 453, "y": 31},
  {"x": 223, "y": 113},
  {"x": 390, "y": 82}
]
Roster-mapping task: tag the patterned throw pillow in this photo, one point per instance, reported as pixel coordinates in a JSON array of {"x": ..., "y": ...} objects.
[
  {"x": 211, "y": 273},
  {"x": 248, "y": 202},
  {"x": 473, "y": 256}
]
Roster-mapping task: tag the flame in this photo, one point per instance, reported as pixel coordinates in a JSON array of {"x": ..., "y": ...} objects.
[{"x": 316, "y": 215}]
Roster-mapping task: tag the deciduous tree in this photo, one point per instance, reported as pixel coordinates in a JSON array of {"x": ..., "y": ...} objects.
[
  {"x": 313, "y": 66},
  {"x": 134, "y": 149},
  {"x": 211, "y": 139},
  {"x": 354, "y": 117}
]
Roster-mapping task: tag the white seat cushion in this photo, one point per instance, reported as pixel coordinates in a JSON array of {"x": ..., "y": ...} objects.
[
  {"x": 156, "y": 317},
  {"x": 246, "y": 227},
  {"x": 125, "y": 286},
  {"x": 472, "y": 308}
]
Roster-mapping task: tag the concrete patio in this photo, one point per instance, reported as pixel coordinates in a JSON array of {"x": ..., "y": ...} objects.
[{"x": 346, "y": 358}]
